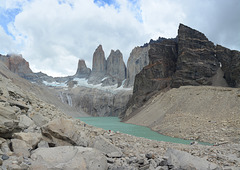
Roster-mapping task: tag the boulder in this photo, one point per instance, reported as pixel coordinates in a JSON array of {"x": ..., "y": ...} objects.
[
  {"x": 65, "y": 132},
  {"x": 39, "y": 119},
  {"x": 32, "y": 139},
  {"x": 183, "y": 160},
  {"x": 25, "y": 122},
  {"x": 20, "y": 147},
  {"x": 8, "y": 121},
  {"x": 68, "y": 157},
  {"x": 106, "y": 147},
  {"x": 82, "y": 70}
]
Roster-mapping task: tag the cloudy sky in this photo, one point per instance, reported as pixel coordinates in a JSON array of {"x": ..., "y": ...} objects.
[{"x": 53, "y": 34}]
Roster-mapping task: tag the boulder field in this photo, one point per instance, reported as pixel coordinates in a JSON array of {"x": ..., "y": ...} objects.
[{"x": 36, "y": 135}]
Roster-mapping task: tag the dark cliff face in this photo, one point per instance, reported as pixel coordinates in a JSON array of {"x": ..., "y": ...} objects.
[
  {"x": 230, "y": 61},
  {"x": 191, "y": 60},
  {"x": 196, "y": 62}
]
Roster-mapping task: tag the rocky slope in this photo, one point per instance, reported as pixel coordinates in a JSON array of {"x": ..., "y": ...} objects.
[
  {"x": 37, "y": 135},
  {"x": 202, "y": 113}
]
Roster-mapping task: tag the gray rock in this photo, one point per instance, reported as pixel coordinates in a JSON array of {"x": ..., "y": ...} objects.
[
  {"x": 32, "y": 139},
  {"x": 82, "y": 70},
  {"x": 68, "y": 157},
  {"x": 137, "y": 60},
  {"x": 5, "y": 148},
  {"x": 115, "y": 66},
  {"x": 162, "y": 168},
  {"x": 5, "y": 157},
  {"x": 114, "y": 155},
  {"x": 25, "y": 122},
  {"x": 8, "y": 121},
  {"x": 106, "y": 147},
  {"x": 64, "y": 132},
  {"x": 149, "y": 155},
  {"x": 183, "y": 160},
  {"x": 21, "y": 148},
  {"x": 110, "y": 160},
  {"x": 39, "y": 119},
  {"x": 43, "y": 144},
  {"x": 99, "y": 66}
]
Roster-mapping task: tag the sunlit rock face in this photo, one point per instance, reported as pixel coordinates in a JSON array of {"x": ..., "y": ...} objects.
[
  {"x": 17, "y": 64},
  {"x": 82, "y": 70},
  {"x": 137, "y": 60},
  {"x": 99, "y": 66}
]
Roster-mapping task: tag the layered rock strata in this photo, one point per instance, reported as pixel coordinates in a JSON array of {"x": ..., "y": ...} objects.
[
  {"x": 190, "y": 59},
  {"x": 196, "y": 60},
  {"x": 230, "y": 61}
]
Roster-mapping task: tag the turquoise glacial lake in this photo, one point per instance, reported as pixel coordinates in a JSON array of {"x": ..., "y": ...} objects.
[{"x": 114, "y": 124}]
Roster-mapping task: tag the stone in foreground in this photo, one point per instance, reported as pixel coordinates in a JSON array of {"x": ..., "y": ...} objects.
[{"x": 68, "y": 157}]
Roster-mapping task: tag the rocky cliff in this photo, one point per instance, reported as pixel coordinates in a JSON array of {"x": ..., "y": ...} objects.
[
  {"x": 190, "y": 59},
  {"x": 230, "y": 61},
  {"x": 196, "y": 60},
  {"x": 116, "y": 69},
  {"x": 82, "y": 70},
  {"x": 137, "y": 60},
  {"x": 99, "y": 66},
  {"x": 17, "y": 64}
]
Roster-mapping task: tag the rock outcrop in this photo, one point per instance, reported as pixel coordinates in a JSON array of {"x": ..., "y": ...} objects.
[
  {"x": 82, "y": 70},
  {"x": 116, "y": 69},
  {"x": 156, "y": 75},
  {"x": 97, "y": 102},
  {"x": 17, "y": 64},
  {"x": 190, "y": 59},
  {"x": 196, "y": 60},
  {"x": 230, "y": 61},
  {"x": 99, "y": 66},
  {"x": 137, "y": 60}
]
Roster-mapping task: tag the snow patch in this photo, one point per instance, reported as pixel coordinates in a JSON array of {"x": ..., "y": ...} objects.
[
  {"x": 55, "y": 84},
  {"x": 84, "y": 83}
]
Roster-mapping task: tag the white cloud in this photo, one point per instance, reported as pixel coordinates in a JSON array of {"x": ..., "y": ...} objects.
[
  {"x": 52, "y": 36},
  {"x": 161, "y": 18},
  {"x": 51, "y": 31},
  {"x": 7, "y": 43}
]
